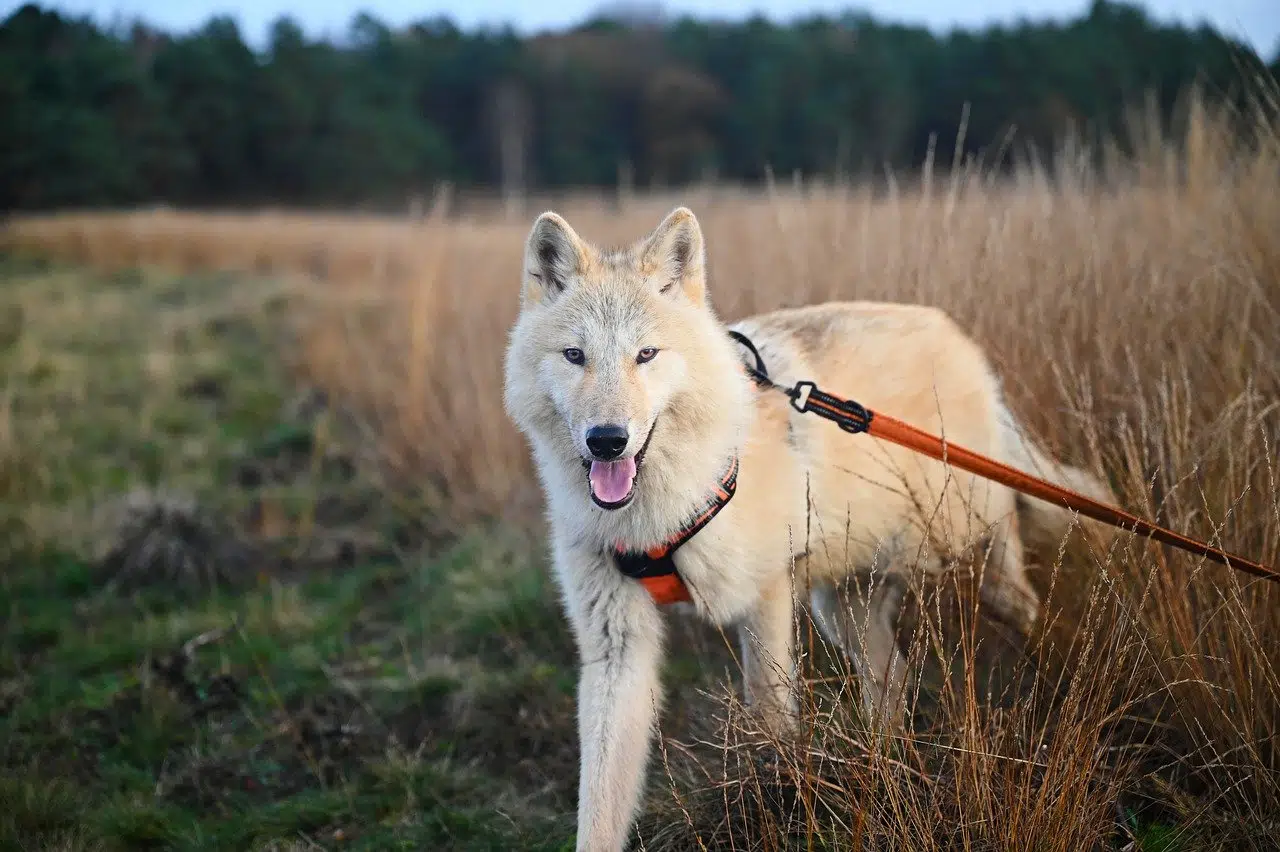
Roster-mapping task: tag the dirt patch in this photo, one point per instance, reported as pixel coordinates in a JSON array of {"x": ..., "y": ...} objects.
[{"x": 170, "y": 540}]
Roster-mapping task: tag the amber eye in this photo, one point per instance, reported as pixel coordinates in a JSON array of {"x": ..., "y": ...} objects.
[
  {"x": 574, "y": 356},
  {"x": 646, "y": 354}
]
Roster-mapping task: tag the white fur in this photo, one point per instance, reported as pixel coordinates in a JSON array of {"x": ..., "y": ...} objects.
[{"x": 871, "y": 503}]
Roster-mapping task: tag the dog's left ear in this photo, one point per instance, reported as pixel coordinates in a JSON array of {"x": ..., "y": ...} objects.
[
  {"x": 554, "y": 257},
  {"x": 674, "y": 256}
]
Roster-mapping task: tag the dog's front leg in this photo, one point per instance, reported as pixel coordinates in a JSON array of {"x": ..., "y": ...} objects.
[
  {"x": 768, "y": 657},
  {"x": 620, "y": 641}
]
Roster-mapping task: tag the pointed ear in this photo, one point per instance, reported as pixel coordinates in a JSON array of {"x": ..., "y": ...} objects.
[
  {"x": 674, "y": 254},
  {"x": 553, "y": 256}
]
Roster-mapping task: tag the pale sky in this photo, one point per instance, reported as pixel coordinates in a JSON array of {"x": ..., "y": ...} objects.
[{"x": 1256, "y": 22}]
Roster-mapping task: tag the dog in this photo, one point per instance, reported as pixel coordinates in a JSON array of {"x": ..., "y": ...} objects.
[{"x": 641, "y": 417}]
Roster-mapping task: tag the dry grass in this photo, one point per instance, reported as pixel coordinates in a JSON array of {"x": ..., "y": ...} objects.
[{"x": 1134, "y": 313}]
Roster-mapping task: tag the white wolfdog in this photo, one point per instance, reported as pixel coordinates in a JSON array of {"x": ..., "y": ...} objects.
[{"x": 636, "y": 403}]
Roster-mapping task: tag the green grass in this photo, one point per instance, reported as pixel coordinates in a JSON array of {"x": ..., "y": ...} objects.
[
  {"x": 323, "y": 688},
  {"x": 320, "y": 695}
]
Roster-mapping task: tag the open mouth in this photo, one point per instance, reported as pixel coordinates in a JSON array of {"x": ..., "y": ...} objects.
[{"x": 613, "y": 483}]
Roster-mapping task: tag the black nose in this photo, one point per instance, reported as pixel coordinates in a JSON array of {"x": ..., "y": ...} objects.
[{"x": 607, "y": 442}]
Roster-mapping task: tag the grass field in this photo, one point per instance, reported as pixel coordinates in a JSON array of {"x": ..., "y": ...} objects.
[{"x": 274, "y": 577}]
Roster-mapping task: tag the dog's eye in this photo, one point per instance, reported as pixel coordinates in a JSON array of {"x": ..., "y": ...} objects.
[
  {"x": 646, "y": 354},
  {"x": 574, "y": 356}
]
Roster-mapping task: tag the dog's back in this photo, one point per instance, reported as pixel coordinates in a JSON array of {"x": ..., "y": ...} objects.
[
  {"x": 914, "y": 363},
  {"x": 908, "y": 361}
]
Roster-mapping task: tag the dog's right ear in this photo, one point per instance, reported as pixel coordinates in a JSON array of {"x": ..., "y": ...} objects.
[{"x": 553, "y": 257}]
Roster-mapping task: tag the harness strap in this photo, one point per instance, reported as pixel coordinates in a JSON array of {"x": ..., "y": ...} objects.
[
  {"x": 759, "y": 373},
  {"x": 655, "y": 568}
]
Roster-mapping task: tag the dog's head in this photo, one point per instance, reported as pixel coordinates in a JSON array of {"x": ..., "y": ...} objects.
[{"x": 605, "y": 360}]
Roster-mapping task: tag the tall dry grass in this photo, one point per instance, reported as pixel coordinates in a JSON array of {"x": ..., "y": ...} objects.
[{"x": 1134, "y": 314}]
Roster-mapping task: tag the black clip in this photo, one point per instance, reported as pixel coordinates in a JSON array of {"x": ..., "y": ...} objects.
[{"x": 845, "y": 413}]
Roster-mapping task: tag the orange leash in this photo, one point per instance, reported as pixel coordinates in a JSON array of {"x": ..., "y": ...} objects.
[
  {"x": 855, "y": 418},
  {"x": 883, "y": 426}
]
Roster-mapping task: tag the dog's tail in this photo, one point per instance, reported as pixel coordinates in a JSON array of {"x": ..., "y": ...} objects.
[{"x": 1045, "y": 524}]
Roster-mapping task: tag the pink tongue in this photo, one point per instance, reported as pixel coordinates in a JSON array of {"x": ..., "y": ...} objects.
[{"x": 611, "y": 481}]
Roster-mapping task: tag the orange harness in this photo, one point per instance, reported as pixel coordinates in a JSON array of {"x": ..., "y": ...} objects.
[
  {"x": 654, "y": 568},
  {"x": 657, "y": 570}
]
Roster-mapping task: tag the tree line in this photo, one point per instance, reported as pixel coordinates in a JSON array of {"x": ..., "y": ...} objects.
[{"x": 107, "y": 116}]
